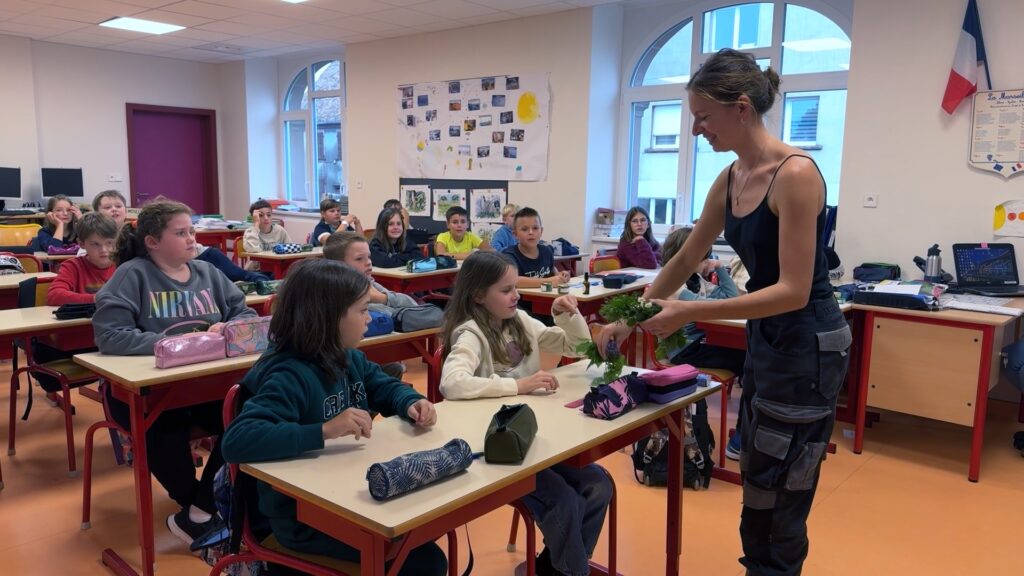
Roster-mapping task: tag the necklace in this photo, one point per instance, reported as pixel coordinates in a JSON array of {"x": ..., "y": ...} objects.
[{"x": 736, "y": 199}]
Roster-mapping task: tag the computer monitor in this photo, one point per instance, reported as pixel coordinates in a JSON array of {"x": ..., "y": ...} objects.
[
  {"x": 10, "y": 182},
  {"x": 66, "y": 181}
]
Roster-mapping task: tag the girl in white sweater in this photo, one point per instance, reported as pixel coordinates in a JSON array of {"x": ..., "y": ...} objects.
[{"x": 493, "y": 349}]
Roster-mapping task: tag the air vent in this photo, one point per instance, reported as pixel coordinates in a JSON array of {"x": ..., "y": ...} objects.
[{"x": 226, "y": 48}]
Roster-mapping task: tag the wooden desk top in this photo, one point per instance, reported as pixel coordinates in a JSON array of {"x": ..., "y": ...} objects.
[
  {"x": 335, "y": 477},
  {"x": 36, "y": 216},
  {"x": 951, "y": 315},
  {"x": 238, "y": 231},
  {"x": 47, "y": 257},
  {"x": 40, "y": 318},
  {"x": 256, "y": 299},
  {"x": 270, "y": 255},
  {"x": 140, "y": 371},
  {"x": 9, "y": 281},
  {"x": 598, "y": 292},
  {"x": 401, "y": 272},
  {"x": 579, "y": 256}
]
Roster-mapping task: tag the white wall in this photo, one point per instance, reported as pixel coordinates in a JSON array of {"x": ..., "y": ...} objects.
[
  {"x": 80, "y": 105},
  {"x": 902, "y": 146},
  {"x": 557, "y": 43},
  {"x": 233, "y": 131},
  {"x": 262, "y": 130},
  {"x": 19, "y": 145}
]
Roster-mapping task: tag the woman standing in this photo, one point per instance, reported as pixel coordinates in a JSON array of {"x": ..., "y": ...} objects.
[{"x": 770, "y": 203}]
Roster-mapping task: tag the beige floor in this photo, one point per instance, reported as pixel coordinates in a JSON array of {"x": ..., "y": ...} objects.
[{"x": 904, "y": 507}]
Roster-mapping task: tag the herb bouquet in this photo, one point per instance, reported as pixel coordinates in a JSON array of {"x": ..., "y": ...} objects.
[{"x": 631, "y": 310}]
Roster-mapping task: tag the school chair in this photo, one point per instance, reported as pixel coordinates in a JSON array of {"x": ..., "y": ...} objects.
[
  {"x": 269, "y": 549},
  {"x": 521, "y": 510},
  {"x": 368, "y": 234},
  {"x": 600, "y": 264},
  {"x": 18, "y": 234},
  {"x": 32, "y": 292},
  {"x": 238, "y": 254}
]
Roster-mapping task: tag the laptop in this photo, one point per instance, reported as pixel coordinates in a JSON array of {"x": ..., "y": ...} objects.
[{"x": 987, "y": 269}]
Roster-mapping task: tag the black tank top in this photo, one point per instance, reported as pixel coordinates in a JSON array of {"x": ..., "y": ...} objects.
[{"x": 755, "y": 238}]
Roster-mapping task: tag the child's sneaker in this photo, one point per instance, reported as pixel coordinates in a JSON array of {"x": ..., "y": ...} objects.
[
  {"x": 184, "y": 528},
  {"x": 732, "y": 449}
]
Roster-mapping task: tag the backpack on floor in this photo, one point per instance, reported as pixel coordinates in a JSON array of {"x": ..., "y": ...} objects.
[{"x": 650, "y": 454}]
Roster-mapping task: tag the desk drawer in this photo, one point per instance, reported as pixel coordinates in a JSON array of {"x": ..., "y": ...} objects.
[{"x": 927, "y": 370}]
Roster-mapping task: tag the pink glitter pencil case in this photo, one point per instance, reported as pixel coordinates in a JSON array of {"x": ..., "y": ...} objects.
[
  {"x": 191, "y": 348},
  {"x": 246, "y": 336}
]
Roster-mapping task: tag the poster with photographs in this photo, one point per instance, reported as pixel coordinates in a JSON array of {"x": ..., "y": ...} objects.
[
  {"x": 485, "y": 205},
  {"x": 415, "y": 200},
  {"x": 495, "y": 127},
  {"x": 445, "y": 199},
  {"x": 485, "y": 230}
]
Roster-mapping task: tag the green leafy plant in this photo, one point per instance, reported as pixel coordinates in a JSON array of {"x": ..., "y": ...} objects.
[{"x": 629, "y": 309}]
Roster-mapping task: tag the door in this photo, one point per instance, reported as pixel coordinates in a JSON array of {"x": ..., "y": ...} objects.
[{"x": 172, "y": 152}]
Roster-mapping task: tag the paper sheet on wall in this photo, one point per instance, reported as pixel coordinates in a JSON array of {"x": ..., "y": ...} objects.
[
  {"x": 494, "y": 127},
  {"x": 997, "y": 132},
  {"x": 485, "y": 205},
  {"x": 1008, "y": 219},
  {"x": 415, "y": 199},
  {"x": 445, "y": 199}
]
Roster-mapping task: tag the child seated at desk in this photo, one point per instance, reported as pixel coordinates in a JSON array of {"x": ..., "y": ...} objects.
[
  {"x": 391, "y": 246},
  {"x": 160, "y": 289},
  {"x": 351, "y": 249},
  {"x": 458, "y": 242},
  {"x": 263, "y": 234},
  {"x": 331, "y": 220},
  {"x": 77, "y": 282},
  {"x": 493, "y": 349},
  {"x": 112, "y": 204},
  {"x": 314, "y": 385},
  {"x": 534, "y": 261},
  {"x": 637, "y": 246},
  {"x": 59, "y": 229}
]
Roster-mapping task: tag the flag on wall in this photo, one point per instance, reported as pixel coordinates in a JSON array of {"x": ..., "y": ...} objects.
[{"x": 967, "y": 62}]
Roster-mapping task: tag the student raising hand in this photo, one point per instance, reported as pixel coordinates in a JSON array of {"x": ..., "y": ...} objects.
[{"x": 354, "y": 421}]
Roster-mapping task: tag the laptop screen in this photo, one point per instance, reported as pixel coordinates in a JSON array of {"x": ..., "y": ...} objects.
[{"x": 985, "y": 264}]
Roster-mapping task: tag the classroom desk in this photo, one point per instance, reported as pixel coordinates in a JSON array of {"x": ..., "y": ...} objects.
[
  {"x": 588, "y": 304},
  {"x": 568, "y": 263},
  {"x": 278, "y": 264},
  {"x": 37, "y": 218},
  {"x": 401, "y": 280},
  {"x": 221, "y": 238},
  {"x": 9, "y": 286},
  {"x": 148, "y": 391},
  {"x": 938, "y": 365},
  {"x": 332, "y": 496},
  {"x": 53, "y": 260}
]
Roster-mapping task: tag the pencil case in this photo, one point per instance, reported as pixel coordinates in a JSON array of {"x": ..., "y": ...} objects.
[
  {"x": 411, "y": 471},
  {"x": 191, "y": 348},
  {"x": 246, "y": 336}
]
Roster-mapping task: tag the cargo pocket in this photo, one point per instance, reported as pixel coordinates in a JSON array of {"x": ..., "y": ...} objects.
[
  {"x": 804, "y": 468},
  {"x": 833, "y": 359},
  {"x": 764, "y": 466}
]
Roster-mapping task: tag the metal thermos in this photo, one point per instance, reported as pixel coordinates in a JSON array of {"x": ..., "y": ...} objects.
[{"x": 933, "y": 266}]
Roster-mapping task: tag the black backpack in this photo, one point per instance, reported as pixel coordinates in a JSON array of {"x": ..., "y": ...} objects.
[{"x": 650, "y": 454}]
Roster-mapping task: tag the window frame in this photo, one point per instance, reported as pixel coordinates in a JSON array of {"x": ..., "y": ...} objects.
[
  {"x": 308, "y": 115},
  {"x": 640, "y": 56}
]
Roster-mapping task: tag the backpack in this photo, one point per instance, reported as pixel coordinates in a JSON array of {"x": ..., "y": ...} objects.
[
  {"x": 650, "y": 454},
  {"x": 563, "y": 247},
  {"x": 413, "y": 318},
  {"x": 380, "y": 324}
]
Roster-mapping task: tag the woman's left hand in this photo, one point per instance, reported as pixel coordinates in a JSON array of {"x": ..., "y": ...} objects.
[
  {"x": 423, "y": 413},
  {"x": 674, "y": 315}
]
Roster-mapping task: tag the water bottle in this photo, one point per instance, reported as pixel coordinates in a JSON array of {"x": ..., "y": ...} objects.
[{"x": 933, "y": 266}]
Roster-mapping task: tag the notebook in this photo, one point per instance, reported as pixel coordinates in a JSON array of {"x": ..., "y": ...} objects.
[{"x": 987, "y": 269}]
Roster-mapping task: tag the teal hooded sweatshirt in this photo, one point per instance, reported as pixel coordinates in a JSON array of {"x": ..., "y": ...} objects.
[{"x": 291, "y": 399}]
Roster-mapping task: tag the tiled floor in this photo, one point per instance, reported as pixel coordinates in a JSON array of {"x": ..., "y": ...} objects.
[{"x": 904, "y": 507}]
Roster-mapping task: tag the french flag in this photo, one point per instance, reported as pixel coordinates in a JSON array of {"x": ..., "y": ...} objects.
[{"x": 967, "y": 62}]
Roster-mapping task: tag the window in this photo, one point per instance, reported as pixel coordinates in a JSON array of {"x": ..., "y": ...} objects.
[
  {"x": 312, "y": 122},
  {"x": 667, "y": 170}
]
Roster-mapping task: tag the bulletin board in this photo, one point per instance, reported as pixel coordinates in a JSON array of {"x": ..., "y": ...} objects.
[
  {"x": 997, "y": 132},
  {"x": 493, "y": 127},
  {"x": 427, "y": 199}
]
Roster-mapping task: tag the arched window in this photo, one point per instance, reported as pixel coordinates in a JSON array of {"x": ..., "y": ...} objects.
[
  {"x": 312, "y": 117},
  {"x": 668, "y": 171}
]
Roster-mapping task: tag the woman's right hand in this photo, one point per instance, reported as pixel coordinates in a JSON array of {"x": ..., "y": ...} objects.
[
  {"x": 537, "y": 381},
  {"x": 354, "y": 421},
  {"x": 617, "y": 331}
]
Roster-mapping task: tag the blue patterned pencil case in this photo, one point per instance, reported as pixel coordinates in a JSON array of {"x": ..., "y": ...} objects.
[{"x": 411, "y": 471}]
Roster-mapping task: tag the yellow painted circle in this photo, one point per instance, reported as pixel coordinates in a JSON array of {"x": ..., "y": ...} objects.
[{"x": 528, "y": 108}]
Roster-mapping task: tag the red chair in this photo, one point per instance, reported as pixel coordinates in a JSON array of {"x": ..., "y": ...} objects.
[
  {"x": 116, "y": 433},
  {"x": 600, "y": 264},
  {"x": 270, "y": 550},
  {"x": 435, "y": 396},
  {"x": 32, "y": 292}
]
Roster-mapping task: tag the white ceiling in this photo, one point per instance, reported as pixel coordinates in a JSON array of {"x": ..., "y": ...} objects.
[{"x": 225, "y": 30}]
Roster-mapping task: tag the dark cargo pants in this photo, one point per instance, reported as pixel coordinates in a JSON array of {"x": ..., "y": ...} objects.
[{"x": 796, "y": 363}]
